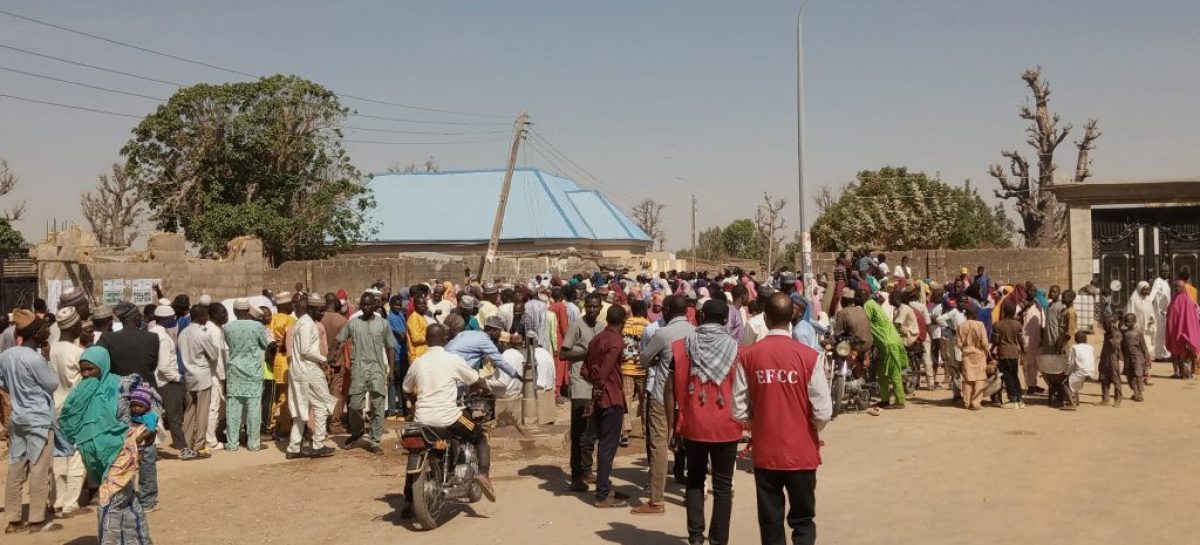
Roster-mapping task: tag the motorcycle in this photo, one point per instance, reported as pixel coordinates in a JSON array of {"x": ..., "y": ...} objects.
[
  {"x": 444, "y": 466},
  {"x": 850, "y": 384},
  {"x": 915, "y": 370}
]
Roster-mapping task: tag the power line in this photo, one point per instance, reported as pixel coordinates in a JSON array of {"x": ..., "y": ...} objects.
[
  {"x": 176, "y": 84},
  {"x": 426, "y": 122},
  {"x": 541, "y": 139},
  {"x": 568, "y": 172},
  {"x": 384, "y": 143},
  {"x": 86, "y": 65},
  {"x": 398, "y": 131},
  {"x": 225, "y": 69},
  {"x": 81, "y": 84},
  {"x": 61, "y": 105}
]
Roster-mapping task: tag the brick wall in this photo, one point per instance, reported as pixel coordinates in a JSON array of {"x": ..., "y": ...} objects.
[
  {"x": 74, "y": 255},
  {"x": 1044, "y": 267}
]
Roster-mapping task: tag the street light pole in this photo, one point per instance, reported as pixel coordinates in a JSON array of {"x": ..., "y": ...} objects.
[{"x": 805, "y": 240}]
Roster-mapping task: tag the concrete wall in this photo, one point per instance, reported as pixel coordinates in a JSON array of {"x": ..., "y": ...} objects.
[
  {"x": 73, "y": 255},
  {"x": 1044, "y": 267}
]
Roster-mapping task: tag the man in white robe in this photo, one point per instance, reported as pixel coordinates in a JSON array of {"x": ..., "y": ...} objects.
[
  {"x": 1141, "y": 305},
  {"x": 1160, "y": 293},
  {"x": 307, "y": 387}
]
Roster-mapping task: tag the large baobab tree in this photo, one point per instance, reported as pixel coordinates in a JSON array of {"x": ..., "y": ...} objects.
[
  {"x": 112, "y": 211},
  {"x": 1042, "y": 217},
  {"x": 648, "y": 215}
]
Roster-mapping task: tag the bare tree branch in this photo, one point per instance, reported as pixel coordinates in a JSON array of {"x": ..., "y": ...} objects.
[
  {"x": 770, "y": 223},
  {"x": 112, "y": 212},
  {"x": 1041, "y": 215},
  {"x": 8, "y": 182},
  {"x": 1085, "y": 146},
  {"x": 648, "y": 216}
]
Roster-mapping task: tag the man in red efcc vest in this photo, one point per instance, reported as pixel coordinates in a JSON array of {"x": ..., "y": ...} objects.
[
  {"x": 779, "y": 387},
  {"x": 704, "y": 362}
]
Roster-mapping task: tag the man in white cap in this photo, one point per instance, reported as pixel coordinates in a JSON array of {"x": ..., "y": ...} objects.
[
  {"x": 69, "y": 472},
  {"x": 76, "y": 298},
  {"x": 200, "y": 355},
  {"x": 489, "y": 304},
  {"x": 167, "y": 377},
  {"x": 307, "y": 387},
  {"x": 247, "y": 340}
]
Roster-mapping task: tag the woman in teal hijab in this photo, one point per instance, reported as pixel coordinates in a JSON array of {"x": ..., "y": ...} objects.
[
  {"x": 89, "y": 415},
  {"x": 89, "y": 420},
  {"x": 893, "y": 358}
]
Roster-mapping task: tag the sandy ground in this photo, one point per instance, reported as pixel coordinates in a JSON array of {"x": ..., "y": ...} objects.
[{"x": 930, "y": 474}]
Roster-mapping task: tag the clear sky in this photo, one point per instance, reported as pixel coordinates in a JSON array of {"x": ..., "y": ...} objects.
[{"x": 653, "y": 98}]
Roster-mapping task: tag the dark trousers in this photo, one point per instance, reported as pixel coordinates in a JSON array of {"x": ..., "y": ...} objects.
[
  {"x": 801, "y": 486},
  {"x": 1009, "y": 372},
  {"x": 583, "y": 439},
  {"x": 608, "y": 428},
  {"x": 174, "y": 402},
  {"x": 268, "y": 399},
  {"x": 722, "y": 456},
  {"x": 935, "y": 355},
  {"x": 147, "y": 489}
]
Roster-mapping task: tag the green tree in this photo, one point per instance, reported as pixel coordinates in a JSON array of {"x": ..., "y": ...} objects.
[
  {"x": 894, "y": 209},
  {"x": 740, "y": 239},
  {"x": 262, "y": 158},
  {"x": 10, "y": 239}
]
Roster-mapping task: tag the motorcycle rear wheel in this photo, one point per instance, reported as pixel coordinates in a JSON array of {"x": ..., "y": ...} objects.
[
  {"x": 839, "y": 395},
  {"x": 429, "y": 500}
]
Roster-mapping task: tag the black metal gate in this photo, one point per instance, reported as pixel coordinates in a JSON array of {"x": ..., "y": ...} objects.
[{"x": 1131, "y": 244}]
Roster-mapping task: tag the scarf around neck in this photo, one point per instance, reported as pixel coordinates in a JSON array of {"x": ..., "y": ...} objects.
[{"x": 712, "y": 352}]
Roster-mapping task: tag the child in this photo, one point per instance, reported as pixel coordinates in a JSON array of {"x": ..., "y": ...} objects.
[
  {"x": 144, "y": 407},
  {"x": 1135, "y": 353},
  {"x": 1081, "y": 365},
  {"x": 1110, "y": 362}
]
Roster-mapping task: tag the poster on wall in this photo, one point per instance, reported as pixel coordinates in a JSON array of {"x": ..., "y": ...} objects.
[
  {"x": 54, "y": 290},
  {"x": 114, "y": 290},
  {"x": 142, "y": 291}
]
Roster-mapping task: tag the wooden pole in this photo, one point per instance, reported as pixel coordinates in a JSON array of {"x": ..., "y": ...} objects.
[{"x": 490, "y": 255}]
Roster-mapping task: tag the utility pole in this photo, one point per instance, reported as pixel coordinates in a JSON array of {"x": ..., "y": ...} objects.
[
  {"x": 518, "y": 133},
  {"x": 805, "y": 238},
  {"x": 694, "y": 226}
]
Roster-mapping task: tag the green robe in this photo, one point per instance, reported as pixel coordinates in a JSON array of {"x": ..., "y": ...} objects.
[{"x": 889, "y": 348}]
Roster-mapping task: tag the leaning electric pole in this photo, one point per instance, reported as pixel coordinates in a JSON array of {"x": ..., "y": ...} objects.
[{"x": 490, "y": 255}]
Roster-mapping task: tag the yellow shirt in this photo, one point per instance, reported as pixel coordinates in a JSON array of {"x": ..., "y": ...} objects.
[
  {"x": 280, "y": 324},
  {"x": 416, "y": 326}
]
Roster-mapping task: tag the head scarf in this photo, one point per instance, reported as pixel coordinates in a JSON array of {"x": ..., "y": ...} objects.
[
  {"x": 1183, "y": 324},
  {"x": 451, "y": 293},
  {"x": 89, "y": 415},
  {"x": 1040, "y": 297},
  {"x": 655, "y": 315},
  {"x": 618, "y": 292}
]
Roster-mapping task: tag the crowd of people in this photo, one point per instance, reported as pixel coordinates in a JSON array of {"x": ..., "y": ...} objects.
[{"x": 697, "y": 363}]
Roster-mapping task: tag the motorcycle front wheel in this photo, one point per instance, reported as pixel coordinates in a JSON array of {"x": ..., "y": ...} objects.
[
  {"x": 429, "y": 499},
  {"x": 839, "y": 395}
]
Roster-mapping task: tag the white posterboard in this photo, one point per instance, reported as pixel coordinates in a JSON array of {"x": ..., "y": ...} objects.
[
  {"x": 113, "y": 292},
  {"x": 142, "y": 291},
  {"x": 54, "y": 290}
]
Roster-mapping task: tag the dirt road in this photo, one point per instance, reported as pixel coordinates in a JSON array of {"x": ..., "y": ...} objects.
[{"x": 931, "y": 474}]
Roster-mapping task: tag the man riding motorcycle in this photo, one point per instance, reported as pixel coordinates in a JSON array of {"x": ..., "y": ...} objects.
[{"x": 433, "y": 380}]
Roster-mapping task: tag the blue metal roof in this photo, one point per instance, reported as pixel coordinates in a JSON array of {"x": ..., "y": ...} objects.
[{"x": 461, "y": 206}]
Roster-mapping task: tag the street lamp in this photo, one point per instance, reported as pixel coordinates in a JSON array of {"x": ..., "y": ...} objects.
[{"x": 805, "y": 240}]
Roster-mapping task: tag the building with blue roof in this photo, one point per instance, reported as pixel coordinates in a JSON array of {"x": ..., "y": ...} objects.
[{"x": 452, "y": 212}]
